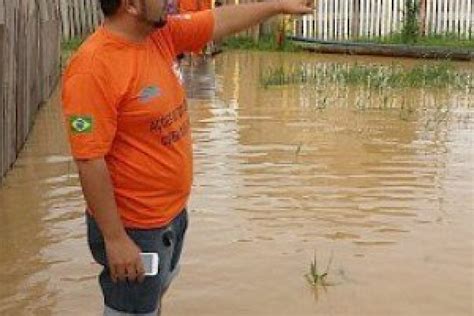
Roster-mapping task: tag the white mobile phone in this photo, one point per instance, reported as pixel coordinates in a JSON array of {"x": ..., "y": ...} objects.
[{"x": 150, "y": 263}]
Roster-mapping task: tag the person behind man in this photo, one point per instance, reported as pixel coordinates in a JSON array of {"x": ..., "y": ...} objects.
[{"x": 128, "y": 123}]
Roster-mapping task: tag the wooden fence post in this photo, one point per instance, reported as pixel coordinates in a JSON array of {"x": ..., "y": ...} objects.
[
  {"x": 82, "y": 20},
  {"x": 355, "y": 25},
  {"x": 89, "y": 12},
  {"x": 3, "y": 123},
  {"x": 422, "y": 21},
  {"x": 66, "y": 25}
]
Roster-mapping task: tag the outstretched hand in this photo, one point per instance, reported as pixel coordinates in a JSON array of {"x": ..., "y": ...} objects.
[
  {"x": 297, "y": 6},
  {"x": 235, "y": 18}
]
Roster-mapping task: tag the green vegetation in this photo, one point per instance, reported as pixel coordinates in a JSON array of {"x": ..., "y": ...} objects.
[
  {"x": 71, "y": 45},
  {"x": 440, "y": 75},
  {"x": 447, "y": 40},
  {"x": 410, "y": 30},
  {"x": 316, "y": 278},
  {"x": 265, "y": 43},
  {"x": 68, "y": 48}
]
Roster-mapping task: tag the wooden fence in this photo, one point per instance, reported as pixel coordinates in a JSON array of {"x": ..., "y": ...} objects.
[
  {"x": 29, "y": 68},
  {"x": 352, "y": 19},
  {"x": 79, "y": 17}
]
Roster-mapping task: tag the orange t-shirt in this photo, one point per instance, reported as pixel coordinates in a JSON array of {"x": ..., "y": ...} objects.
[
  {"x": 125, "y": 101},
  {"x": 194, "y": 5}
]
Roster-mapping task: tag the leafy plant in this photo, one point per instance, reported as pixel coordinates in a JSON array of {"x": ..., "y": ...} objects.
[
  {"x": 72, "y": 44},
  {"x": 316, "y": 278},
  {"x": 411, "y": 30}
]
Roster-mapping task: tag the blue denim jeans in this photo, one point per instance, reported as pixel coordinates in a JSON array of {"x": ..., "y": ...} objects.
[{"x": 133, "y": 298}]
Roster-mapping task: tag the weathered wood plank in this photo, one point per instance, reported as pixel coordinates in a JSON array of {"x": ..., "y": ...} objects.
[
  {"x": 3, "y": 158},
  {"x": 30, "y": 34}
]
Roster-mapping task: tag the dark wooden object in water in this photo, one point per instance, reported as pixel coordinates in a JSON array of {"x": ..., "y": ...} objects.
[{"x": 391, "y": 50}]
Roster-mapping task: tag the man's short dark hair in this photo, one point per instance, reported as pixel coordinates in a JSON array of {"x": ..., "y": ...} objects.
[{"x": 109, "y": 7}]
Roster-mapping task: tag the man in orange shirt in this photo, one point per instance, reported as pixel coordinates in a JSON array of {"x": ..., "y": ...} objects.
[{"x": 128, "y": 124}]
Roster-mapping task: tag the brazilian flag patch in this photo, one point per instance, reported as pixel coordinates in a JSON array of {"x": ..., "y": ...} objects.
[{"x": 81, "y": 124}]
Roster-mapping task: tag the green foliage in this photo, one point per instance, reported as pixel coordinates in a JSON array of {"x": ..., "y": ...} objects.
[
  {"x": 265, "y": 43},
  {"x": 71, "y": 45},
  {"x": 410, "y": 31},
  {"x": 68, "y": 48},
  {"x": 446, "y": 40},
  {"x": 439, "y": 75},
  {"x": 316, "y": 278}
]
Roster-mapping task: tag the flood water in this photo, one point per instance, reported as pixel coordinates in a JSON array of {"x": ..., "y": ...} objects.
[{"x": 385, "y": 195}]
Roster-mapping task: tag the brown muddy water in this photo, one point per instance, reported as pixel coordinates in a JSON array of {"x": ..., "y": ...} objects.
[{"x": 385, "y": 191}]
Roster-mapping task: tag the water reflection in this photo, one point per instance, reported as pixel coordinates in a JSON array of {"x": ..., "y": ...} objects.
[
  {"x": 288, "y": 174},
  {"x": 41, "y": 214},
  {"x": 342, "y": 165}
]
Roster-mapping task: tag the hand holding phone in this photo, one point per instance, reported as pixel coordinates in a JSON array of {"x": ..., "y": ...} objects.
[{"x": 124, "y": 260}]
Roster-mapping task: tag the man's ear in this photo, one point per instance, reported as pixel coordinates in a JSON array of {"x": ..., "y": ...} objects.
[{"x": 132, "y": 7}]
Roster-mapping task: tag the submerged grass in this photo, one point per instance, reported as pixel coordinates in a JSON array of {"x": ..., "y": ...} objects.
[
  {"x": 316, "y": 278},
  {"x": 440, "y": 75}
]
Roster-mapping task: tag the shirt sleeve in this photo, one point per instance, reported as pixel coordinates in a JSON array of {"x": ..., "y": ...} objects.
[
  {"x": 90, "y": 112},
  {"x": 190, "y": 32}
]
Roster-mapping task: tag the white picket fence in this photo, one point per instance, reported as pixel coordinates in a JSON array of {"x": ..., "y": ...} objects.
[
  {"x": 352, "y": 19},
  {"x": 332, "y": 19}
]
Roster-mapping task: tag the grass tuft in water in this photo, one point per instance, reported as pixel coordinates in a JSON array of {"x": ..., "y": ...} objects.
[{"x": 316, "y": 278}]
